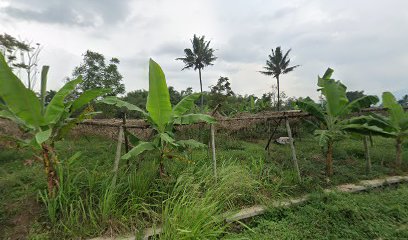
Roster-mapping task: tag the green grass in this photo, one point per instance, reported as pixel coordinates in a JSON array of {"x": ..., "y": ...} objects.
[
  {"x": 374, "y": 215},
  {"x": 88, "y": 205}
]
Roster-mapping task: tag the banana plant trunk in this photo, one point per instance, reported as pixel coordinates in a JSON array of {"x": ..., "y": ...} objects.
[
  {"x": 399, "y": 152},
  {"x": 162, "y": 171},
  {"x": 329, "y": 159},
  {"x": 201, "y": 89},
  {"x": 49, "y": 163},
  {"x": 278, "y": 105}
]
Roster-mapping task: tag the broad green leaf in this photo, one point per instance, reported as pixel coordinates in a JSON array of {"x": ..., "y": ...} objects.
[
  {"x": 158, "y": 101},
  {"x": 395, "y": 110},
  {"x": 111, "y": 100},
  {"x": 312, "y": 108},
  {"x": 63, "y": 128},
  {"x": 323, "y": 136},
  {"x": 134, "y": 140},
  {"x": 88, "y": 96},
  {"x": 9, "y": 115},
  {"x": 43, "y": 136},
  {"x": 191, "y": 143},
  {"x": 186, "y": 104},
  {"x": 56, "y": 107},
  {"x": 140, "y": 148},
  {"x": 334, "y": 92},
  {"x": 360, "y": 103},
  {"x": 44, "y": 73},
  {"x": 194, "y": 118},
  {"x": 167, "y": 138},
  {"x": 20, "y": 101},
  {"x": 366, "y": 129}
]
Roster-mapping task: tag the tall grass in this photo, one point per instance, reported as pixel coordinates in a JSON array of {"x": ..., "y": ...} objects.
[
  {"x": 195, "y": 207},
  {"x": 88, "y": 204}
]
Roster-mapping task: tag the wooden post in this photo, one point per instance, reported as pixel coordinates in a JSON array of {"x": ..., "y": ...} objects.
[
  {"x": 125, "y": 133},
  {"x": 367, "y": 154},
  {"x": 273, "y": 133},
  {"x": 213, "y": 150},
  {"x": 118, "y": 154},
  {"x": 292, "y": 146}
]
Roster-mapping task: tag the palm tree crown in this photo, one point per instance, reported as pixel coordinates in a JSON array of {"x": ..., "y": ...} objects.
[
  {"x": 278, "y": 64},
  {"x": 199, "y": 57}
]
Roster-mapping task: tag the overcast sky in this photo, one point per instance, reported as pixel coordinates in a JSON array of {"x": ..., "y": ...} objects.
[{"x": 365, "y": 41}]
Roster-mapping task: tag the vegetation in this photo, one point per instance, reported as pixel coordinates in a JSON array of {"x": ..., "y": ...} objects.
[
  {"x": 97, "y": 73},
  {"x": 395, "y": 126},
  {"x": 45, "y": 124},
  {"x": 162, "y": 117},
  {"x": 276, "y": 65},
  {"x": 373, "y": 215},
  {"x": 86, "y": 198},
  {"x": 199, "y": 57},
  {"x": 332, "y": 122},
  {"x": 21, "y": 55}
]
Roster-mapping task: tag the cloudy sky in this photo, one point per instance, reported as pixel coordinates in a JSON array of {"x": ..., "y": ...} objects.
[{"x": 365, "y": 41}]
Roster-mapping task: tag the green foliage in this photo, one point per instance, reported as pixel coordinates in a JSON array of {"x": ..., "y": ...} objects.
[
  {"x": 161, "y": 116},
  {"x": 395, "y": 126},
  {"x": 332, "y": 119},
  {"x": 97, "y": 73},
  {"x": 199, "y": 57},
  {"x": 373, "y": 215},
  {"x": 46, "y": 124},
  {"x": 276, "y": 65},
  {"x": 353, "y": 95}
]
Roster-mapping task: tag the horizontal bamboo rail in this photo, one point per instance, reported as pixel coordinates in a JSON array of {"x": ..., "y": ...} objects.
[{"x": 293, "y": 114}]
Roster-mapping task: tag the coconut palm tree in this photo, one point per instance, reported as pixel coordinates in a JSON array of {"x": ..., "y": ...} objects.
[
  {"x": 276, "y": 65},
  {"x": 199, "y": 57}
]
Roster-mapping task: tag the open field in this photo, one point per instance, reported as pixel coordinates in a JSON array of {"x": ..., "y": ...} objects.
[{"x": 187, "y": 202}]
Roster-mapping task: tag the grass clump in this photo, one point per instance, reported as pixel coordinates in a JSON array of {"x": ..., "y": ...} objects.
[
  {"x": 198, "y": 201},
  {"x": 373, "y": 215}
]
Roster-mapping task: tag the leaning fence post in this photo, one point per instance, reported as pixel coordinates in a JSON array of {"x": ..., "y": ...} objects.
[
  {"x": 213, "y": 150},
  {"x": 117, "y": 157},
  {"x": 367, "y": 154},
  {"x": 292, "y": 146}
]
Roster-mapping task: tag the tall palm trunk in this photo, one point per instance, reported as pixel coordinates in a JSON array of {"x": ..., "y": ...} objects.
[
  {"x": 329, "y": 159},
  {"x": 201, "y": 88},
  {"x": 277, "y": 80},
  {"x": 399, "y": 152}
]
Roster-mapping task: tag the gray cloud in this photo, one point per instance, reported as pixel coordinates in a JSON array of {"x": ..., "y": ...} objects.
[
  {"x": 73, "y": 12},
  {"x": 364, "y": 42}
]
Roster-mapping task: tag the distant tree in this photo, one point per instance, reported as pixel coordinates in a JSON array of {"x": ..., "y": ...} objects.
[
  {"x": 21, "y": 55},
  {"x": 175, "y": 96},
  {"x": 404, "y": 101},
  {"x": 48, "y": 96},
  {"x": 276, "y": 65},
  {"x": 353, "y": 95},
  {"x": 97, "y": 73},
  {"x": 223, "y": 87},
  {"x": 220, "y": 92},
  {"x": 199, "y": 57},
  {"x": 187, "y": 92}
]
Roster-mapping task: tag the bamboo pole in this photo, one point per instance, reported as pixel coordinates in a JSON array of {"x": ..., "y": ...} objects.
[
  {"x": 367, "y": 154},
  {"x": 213, "y": 150},
  {"x": 292, "y": 146},
  {"x": 117, "y": 157}
]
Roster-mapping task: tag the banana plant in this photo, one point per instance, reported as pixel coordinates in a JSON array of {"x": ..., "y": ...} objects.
[
  {"x": 331, "y": 120},
  {"x": 162, "y": 117},
  {"x": 395, "y": 125},
  {"x": 45, "y": 124}
]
